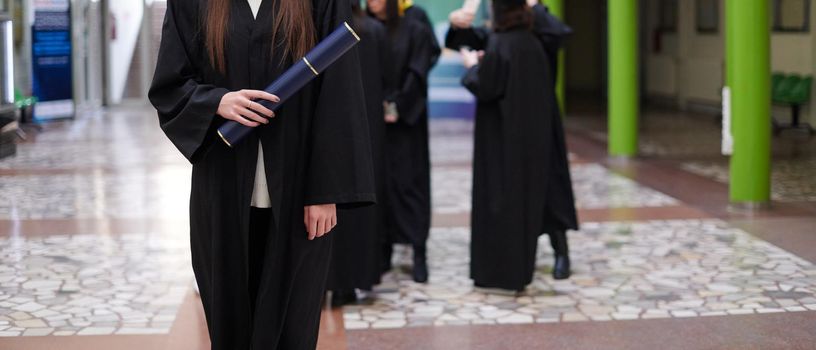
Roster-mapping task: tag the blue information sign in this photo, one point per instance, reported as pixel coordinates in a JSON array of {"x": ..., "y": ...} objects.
[{"x": 51, "y": 60}]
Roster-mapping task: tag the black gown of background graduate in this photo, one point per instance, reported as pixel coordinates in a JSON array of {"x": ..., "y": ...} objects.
[
  {"x": 417, "y": 13},
  {"x": 551, "y": 32},
  {"x": 521, "y": 182},
  {"x": 316, "y": 152},
  {"x": 408, "y": 172},
  {"x": 360, "y": 233}
]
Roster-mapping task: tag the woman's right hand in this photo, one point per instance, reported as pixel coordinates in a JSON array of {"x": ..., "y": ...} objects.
[
  {"x": 471, "y": 58},
  {"x": 240, "y": 106}
]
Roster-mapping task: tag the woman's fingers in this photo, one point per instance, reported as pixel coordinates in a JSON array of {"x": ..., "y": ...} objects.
[
  {"x": 249, "y": 114},
  {"x": 240, "y": 119},
  {"x": 259, "y": 94},
  {"x": 306, "y": 223},
  {"x": 311, "y": 226},
  {"x": 310, "y": 221},
  {"x": 321, "y": 226},
  {"x": 320, "y": 220},
  {"x": 257, "y": 107}
]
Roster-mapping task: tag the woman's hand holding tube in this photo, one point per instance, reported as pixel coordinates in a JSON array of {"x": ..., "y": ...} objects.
[
  {"x": 319, "y": 219},
  {"x": 240, "y": 106}
]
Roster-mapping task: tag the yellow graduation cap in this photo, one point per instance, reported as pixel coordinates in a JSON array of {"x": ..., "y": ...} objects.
[{"x": 404, "y": 5}]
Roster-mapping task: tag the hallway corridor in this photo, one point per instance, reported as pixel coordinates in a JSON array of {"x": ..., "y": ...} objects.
[{"x": 94, "y": 254}]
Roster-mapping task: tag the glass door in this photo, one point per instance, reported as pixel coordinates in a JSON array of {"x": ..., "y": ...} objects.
[
  {"x": 89, "y": 57},
  {"x": 132, "y": 41}
]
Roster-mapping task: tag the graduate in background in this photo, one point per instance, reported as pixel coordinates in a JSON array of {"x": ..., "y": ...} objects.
[
  {"x": 408, "y": 165},
  {"x": 416, "y": 13},
  {"x": 549, "y": 29},
  {"x": 259, "y": 220},
  {"x": 521, "y": 180},
  {"x": 358, "y": 240}
]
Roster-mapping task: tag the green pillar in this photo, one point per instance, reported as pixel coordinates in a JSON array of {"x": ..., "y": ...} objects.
[
  {"x": 557, "y": 9},
  {"x": 623, "y": 78},
  {"x": 749, "y": 78}
]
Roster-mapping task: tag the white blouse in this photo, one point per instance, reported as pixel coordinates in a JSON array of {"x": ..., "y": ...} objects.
[{"x": 260, "y": 192}]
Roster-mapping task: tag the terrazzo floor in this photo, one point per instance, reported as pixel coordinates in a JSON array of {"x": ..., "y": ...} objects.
[
  {"x": 117, "y": 165},
  {"x": 623, "y": 271},
  {"x": 91, "y": 285},
  {"x": 792, "y": 180},
  {"x": 595, "y": 187}
]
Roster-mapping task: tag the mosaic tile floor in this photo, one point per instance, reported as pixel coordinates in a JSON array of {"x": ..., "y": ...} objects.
[
  {"x": 791, "y": 180},
  {"x": 162, "y": 193},
  {"x": 595, "y": 188},
  {"x": 91, "y": 285},
  {"x": 90, "y": 154},
  {"x": 119, "y": 138},
  {"x": 623, "y": 271},
  {"x": 120, "y": 166},
  {"x": 137, "y": 194}
]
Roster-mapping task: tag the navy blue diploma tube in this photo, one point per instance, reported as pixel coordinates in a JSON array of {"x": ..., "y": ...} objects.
[{"x": 296, "y": 77}]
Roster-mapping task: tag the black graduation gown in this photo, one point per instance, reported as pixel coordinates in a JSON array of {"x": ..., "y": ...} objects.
[
  {"x": 360, "y": 233},
  {"x": 521, "y": 180},
  {"x": 551, "y": 32},
  {"x": 408, "y": 165},
  {"x": 417, "y": 13},
  {"x": 316, "y": 152}
]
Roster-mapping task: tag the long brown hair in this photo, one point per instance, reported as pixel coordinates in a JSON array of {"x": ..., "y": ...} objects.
[
  {"x": 293, "y": 18},
  {"x": 510, "y": 17}
]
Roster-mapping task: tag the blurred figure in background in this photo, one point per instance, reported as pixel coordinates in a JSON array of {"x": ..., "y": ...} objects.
[
  {"x": 408, "y": 166},
  {"x": 549, "y": 29},
  {"x": 413, "y": 12},
  {"x": 360, "y": 234},
  {"x": 521, "y": 183}
]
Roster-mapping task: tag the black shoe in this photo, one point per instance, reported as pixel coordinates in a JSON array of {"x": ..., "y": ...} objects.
[
  {"x": 343, "y": 297},
  {"x": 561, "y": 269},
  {"x": 420, "y": 265}
]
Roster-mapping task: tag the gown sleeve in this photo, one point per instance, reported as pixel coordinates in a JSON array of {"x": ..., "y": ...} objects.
[
  {"x": 552, "y": 33},
  {"x": 411, "y": 94},
  {"x": 384, "y": 57},
  {"x": 487, "y": 79},
  {"x": 339, "y": 169},
  {"x": 186, "y": 107},
  {"x": 422, "y": 17},
  {"x": 474, "y": 38}
]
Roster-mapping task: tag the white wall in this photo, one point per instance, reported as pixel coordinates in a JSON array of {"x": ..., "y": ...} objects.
[
  {"x": 128, "y": 21},
  {"x": 690, "y": 66}
]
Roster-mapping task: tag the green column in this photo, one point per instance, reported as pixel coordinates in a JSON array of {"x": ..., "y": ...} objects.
[
  {"x": 623, "y": 78},
  {"x": 557, "y": 9},
  {"x": 749, "y": 76}
]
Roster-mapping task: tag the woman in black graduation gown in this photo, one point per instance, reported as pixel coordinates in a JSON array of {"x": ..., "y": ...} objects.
[
  {"x": 408, "y": 166},
  {"x": 356, "y": 258},
  {"x": 262, "y": 272},
  {"x": 521, "y": 181},
  {"x": 551, "y": 34}
]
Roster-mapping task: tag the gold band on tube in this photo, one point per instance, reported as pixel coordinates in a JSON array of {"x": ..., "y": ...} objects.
[
  {"x": 224, "y": 138},
  {"x": 310, "y": 66},
  {"x": 352, "y": 31}
]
